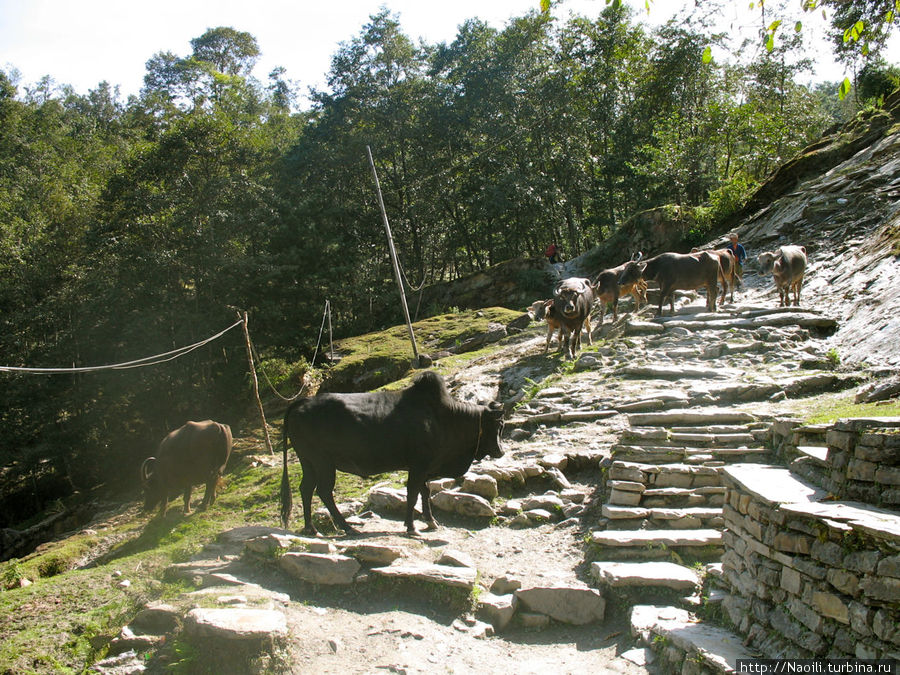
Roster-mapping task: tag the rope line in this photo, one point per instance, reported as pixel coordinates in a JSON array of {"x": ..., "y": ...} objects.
[{"x": 137, "y": 363}]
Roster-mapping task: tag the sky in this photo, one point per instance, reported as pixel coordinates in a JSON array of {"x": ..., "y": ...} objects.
[{"x": 84, "y": 42}]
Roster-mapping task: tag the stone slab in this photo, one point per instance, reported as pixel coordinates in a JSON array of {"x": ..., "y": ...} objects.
[
  {"x": 565, "y": 603},
  {"x": 715, "y": 647},
  {"x": 680, "y": 538},
  {"x": 236, "y": 624},
  {"x": 446, "y": 575},
  {"x": 646, "y": 575},
  {"x": 773, "y": 484},
  {"x": 881, "y": 523},
  {"x": 690, "y": 417}
]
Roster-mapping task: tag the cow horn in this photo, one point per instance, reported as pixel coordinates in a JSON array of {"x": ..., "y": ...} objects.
[{"x": 146, "y": 469}]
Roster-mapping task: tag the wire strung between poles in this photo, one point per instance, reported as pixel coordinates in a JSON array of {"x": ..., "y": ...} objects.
[{"x": 137, "y": 363}]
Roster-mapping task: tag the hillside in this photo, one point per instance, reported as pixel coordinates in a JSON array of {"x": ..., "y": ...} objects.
[{"x": 629, "y": 454}]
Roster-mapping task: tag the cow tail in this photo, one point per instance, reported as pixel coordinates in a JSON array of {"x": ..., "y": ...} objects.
[{"x": 287, "y": 502}]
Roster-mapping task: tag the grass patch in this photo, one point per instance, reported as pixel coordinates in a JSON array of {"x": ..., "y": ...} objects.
[
  {"x": 834, "y": 409},
  {"x": 372, "y": 360}
]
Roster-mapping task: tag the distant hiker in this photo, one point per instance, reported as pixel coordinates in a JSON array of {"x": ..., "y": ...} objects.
[
  {"x": 740, "y": 255},
  {"x": 553, "y": 253}
]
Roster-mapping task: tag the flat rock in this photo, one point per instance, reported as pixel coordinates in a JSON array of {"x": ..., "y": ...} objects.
[
  {"x": 463, "y": 503},
  {"x": 565, "y": 603},
  {"x": 711, "y": 646},
  {"x": 375, "y": 554},
  {"x": 392, "y": 500},
  {"x": 320, "y": 568},
  {"x": 690, "y": 417},
  {"x": 641, "y": 538},
  {"x": 498, "y": 609},
  {"x": 646, "y": 574},
  {"x": 236, "y": 624},
  {"x": 445, "y": 575},
  {"x": 772, "y": 484}
]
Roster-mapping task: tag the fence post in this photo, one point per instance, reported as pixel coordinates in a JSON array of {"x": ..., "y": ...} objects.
[{"x": 259, "y": 405}]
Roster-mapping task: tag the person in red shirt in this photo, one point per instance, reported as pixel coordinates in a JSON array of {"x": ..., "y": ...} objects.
[{"x": 553, "y": 253}]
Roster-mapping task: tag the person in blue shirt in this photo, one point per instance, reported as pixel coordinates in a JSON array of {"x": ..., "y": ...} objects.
[{"x": 740, "y": 255}]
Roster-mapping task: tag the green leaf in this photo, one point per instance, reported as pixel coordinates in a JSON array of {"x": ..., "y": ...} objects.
[
  {"x": 545, "y": 6},
  {"x": 798, "y": 26},
  {"x": 774, "y": 26},
  {"x": 770, "y": 42},
  {"x": 707, "y": 54},
  {"x": 844, "y": 89}
]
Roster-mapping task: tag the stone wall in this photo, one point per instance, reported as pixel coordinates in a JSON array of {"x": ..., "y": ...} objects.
[
  {"x": 810, "y": 576},
  {"x": 864, "y": 456}
]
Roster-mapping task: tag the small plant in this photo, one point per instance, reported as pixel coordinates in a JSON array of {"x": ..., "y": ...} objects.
[
  {"x": 834, "y": 358},
  {"x": 12, "y": 574}
]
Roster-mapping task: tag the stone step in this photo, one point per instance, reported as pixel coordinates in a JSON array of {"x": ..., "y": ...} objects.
[
  {"x": 654, "y": 454},
  {"x": 650, "y": 544},
  {"x": 698, "y": 437},
  {"x": 668, "y": 629},
  {"x": 800, "y": 319},
  {"x": 686, "y": 518},
  {"x": 690, "y": 417},
  {"x": 649, "y": 577}
]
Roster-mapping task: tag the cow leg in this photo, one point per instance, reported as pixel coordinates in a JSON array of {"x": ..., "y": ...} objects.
[
  {"x": 711, "y": 292},
  {"x": 187, "y": 499},
  {"x": 587, "y": 327},
  {"x": 415, "y": 485},
  {"x": 307, "y": 488},
  {"x": 549, "y": 335},
  {"x": 325, "y": 490},
  {"x": 209, "y": 497},
  {"x": 431, "y": 524}
]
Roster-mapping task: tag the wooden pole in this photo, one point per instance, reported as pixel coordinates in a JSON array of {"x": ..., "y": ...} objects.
[
  {"x": 387, "y": 229},
  {"x": 259, "y": 405}
]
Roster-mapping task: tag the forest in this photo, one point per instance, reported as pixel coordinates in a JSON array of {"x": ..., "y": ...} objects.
[{"x": 134, "y": 227}]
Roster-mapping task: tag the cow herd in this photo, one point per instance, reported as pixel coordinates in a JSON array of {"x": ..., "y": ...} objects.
[
  {"x": 569, "y": 310},
  {"x": 422, "y": 429}
]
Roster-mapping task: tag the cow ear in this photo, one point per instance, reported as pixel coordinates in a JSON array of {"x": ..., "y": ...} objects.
[{"x": 637, "y": 256}]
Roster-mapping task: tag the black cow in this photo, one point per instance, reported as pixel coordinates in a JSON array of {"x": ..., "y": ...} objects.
[
  {"x": 420, "y": 429},
  {"x": 194, "y": 453},
  {"x": 673, "y": 271},
  {"x": 573, "y": 300}
]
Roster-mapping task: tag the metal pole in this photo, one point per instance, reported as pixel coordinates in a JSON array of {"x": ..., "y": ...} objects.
[{"x": 387, "y": 229}]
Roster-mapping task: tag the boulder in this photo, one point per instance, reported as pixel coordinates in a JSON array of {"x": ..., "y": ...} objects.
[
  {"x": 235, "y": 624},
  {"x": 463, "y": 503},
  {"x": 320, "y": 568},
  {"x": 574, "y": 604}
]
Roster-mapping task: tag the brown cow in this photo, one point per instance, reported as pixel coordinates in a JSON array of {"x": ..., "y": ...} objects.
[
  {"x": 727, "y": 270},
  {"x": 194, "y": 453},
  {"x": 608, "y": 290},
  {"x": 543, "y": 311},
  {"x": 677, "y": 271},
  {"x": 787, "y": 265}
]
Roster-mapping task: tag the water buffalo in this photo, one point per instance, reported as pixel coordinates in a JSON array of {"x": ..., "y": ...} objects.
[
  {"x": 573, "y": 299},
  {"x": 194, "y": 453},
  {"x": 674, "y": 271},
  {"x": 543, "y": 310},
  {"x": 608, "y": 290},
  {"x": 421, "y": 429},
  {"x": 787, "y": 265}
]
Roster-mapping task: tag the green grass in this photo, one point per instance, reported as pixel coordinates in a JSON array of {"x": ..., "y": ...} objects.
[
  {"x": 834, "y": 409},
  {"x": 375, "y": 359}
]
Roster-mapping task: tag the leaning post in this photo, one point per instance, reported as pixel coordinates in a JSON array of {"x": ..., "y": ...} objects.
[
  {"x": 259, "y": 405},
  {"x": 393, "y": 251}
]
